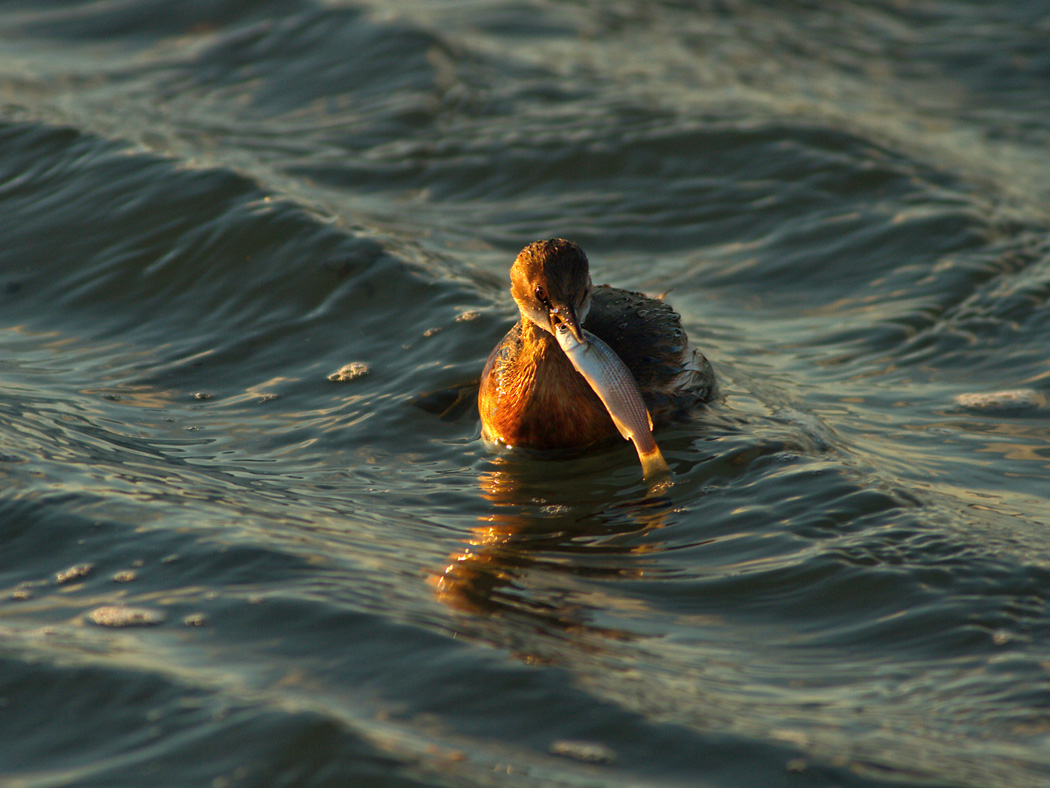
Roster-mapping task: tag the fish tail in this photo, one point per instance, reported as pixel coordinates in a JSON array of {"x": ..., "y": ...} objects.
[{"x": 653, "y": 463}]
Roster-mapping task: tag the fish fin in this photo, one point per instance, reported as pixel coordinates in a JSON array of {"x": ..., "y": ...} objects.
[{"x": 626, "y": 433}]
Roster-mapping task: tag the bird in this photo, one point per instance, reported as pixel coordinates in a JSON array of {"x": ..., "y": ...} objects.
[{"x": 550, "y": 383}]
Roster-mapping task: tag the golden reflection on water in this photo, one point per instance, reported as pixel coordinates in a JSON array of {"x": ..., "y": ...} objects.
[
  {"x": 1023, "y": 440},
  {"x": 553, "y": 529}
]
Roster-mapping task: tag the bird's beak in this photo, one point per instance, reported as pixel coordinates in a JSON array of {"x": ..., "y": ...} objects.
[{"x": 566, "y": 315}]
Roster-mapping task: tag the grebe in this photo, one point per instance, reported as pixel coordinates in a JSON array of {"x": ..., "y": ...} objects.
[{"x": 585, "y": 363}]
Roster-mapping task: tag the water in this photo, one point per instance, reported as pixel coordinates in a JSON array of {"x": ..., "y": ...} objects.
[{"x": 208, "y": 208}]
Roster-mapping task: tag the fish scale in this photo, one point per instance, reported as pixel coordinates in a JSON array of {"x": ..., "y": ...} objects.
[{"x": 606, "y": 373}]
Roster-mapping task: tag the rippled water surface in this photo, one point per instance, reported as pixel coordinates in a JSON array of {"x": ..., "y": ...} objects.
[{"x": 223, "y": 563}]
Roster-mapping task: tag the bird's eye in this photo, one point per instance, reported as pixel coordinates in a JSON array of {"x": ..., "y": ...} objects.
[{"x": 541, "y": 295}]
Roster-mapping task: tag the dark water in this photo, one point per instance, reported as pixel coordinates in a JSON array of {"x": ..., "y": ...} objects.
[{"x": 208, "y": 208}]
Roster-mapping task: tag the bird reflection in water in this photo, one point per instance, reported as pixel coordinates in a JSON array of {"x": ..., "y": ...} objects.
[{"x": 539, "y": 527}]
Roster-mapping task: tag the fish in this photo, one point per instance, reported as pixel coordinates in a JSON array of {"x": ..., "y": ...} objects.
[{"x": 616, "y": 387}]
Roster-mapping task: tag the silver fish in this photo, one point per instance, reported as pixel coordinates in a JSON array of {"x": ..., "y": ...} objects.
[{"x": 617, "y": 389}]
